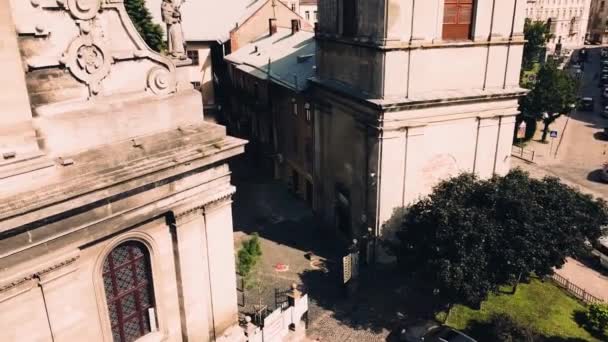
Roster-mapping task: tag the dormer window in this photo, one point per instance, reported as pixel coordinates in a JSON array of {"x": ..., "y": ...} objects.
[{"x": 457, "y": 19}]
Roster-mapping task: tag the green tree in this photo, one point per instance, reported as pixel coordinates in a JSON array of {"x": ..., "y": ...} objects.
[
  {"x": 142, "y": 19},
  {"x": 597, "y": 317},
  {"x": 536, "y": 33},
  {"x": 554, "y": 94},
  {"x": 248, "y": 255},
  {"x": 471, "y": 236}
]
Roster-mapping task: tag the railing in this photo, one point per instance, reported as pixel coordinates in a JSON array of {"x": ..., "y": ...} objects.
[
  {"x": 523, "y": 153},
  {"x": 575, "y": 290}
]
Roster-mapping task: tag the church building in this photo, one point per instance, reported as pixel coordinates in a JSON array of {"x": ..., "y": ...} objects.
[{"x": 115, "y": 195}]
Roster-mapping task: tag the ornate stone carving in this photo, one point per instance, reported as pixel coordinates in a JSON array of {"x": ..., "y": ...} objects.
[
  {"x": 170, "y": 10},
  {"x": 87, "y": 58},
  {"x": 161, "y": 81},
  {"x": 84, "y": 9}
]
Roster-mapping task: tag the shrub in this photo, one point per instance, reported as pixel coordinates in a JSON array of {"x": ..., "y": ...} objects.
[
  {"x": 597, "y": 317},
  {"x": 248, "y": 255}
]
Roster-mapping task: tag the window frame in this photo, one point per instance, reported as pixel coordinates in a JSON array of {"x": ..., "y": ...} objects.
[
  {"x": 457, "y": 30},
  {"x": 158, "y": 332},
  {"x": 141, "y": 312},
  {"x": 194, "y": 56}
]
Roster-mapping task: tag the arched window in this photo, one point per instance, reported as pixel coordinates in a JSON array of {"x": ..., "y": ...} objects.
[{"x": 127, "y": 280}]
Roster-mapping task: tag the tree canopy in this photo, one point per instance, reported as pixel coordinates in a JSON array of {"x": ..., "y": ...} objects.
[
  {"x": 536, "y": 33},
  {"x": 554, "y": 93},
  {"x": 471, "y": 236},
  {"x": 142, "y": 19}
]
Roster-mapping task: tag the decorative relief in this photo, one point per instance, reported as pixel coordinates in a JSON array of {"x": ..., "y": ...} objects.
[
  {"x": 84, "y": 9},
  {"x": 161, "y": 81},
  {"x": 87, "y": 58}
]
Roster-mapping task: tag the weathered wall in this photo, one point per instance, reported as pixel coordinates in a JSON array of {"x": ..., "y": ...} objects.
[
  {"x": 203, "y": 71},
  {"x": 191, "y": 259},
  {"x": 411, "y": 59}
]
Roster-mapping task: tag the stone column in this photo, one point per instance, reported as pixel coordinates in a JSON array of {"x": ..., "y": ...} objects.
[
  {"x": 193, "y": 266},
  {"x": 222, "y": 270},
  {"x": 485, "y": 151}
]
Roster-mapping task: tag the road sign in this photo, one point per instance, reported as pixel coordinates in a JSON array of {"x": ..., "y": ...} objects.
[{"x": 553, "y": 134}]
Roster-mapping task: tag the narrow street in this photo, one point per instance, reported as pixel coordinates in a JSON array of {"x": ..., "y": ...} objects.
[{"x": 577, "y": 154}]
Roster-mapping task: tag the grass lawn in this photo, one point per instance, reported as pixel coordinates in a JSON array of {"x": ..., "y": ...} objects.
[{"x": 542, "y": 306}]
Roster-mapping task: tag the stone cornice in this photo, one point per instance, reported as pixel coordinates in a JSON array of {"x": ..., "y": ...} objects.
[
  {"x": 387, "y": 45},
  {"x": 10, "y": 289},
  {"x": 185, "y": 213}
]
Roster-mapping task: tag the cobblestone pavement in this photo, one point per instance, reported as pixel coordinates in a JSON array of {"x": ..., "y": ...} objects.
[{"x": 288, "y": 232}]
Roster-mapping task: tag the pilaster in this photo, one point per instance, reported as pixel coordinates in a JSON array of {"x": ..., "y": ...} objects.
[{"x": 193, "y": 281}]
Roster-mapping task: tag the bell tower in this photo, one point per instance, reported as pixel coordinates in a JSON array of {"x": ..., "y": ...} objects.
[
  {"x": 396, "y": 48},
  {"x": 419, "y": 91}
]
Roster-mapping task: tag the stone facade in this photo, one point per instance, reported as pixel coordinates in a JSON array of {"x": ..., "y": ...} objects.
[
  {"x": 400, "y": 105},
  {"x": 598, "y": 22},
  {"x": 568, "y": 20},
  {"x": 115, "y": 215}
]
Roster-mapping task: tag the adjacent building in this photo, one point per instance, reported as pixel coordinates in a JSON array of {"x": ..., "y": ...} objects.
[
  {"x": 401, "y": 96},
  {"x": 567, "y": 20},
  {"x": 212, "y": 32},
  {"x": 115, "y": 195},
  {"x": 307, "y": 9},
  {"x": 598, "y": 22},
  {"x": 271, "y": 106}
]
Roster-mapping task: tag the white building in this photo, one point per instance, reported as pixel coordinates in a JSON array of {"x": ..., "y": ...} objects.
[
  {"x": 307, "y": 9},
  {"x": 598, "y": 22},
  {"x": 568, "y": 20}
]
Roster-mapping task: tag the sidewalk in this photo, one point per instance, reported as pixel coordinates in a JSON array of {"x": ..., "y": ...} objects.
[{"x": 584, "y": 277}]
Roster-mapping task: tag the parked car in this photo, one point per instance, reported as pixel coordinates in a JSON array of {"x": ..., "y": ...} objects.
[
  {"x": 601, "y": 250},
  {"x": 587, "y": 104},
  {"x": 604, "y": 175},
  {"x": 446, "y": 334}
]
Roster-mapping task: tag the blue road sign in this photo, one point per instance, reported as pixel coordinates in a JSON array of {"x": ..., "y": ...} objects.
[{"x": 553, "y": 134}]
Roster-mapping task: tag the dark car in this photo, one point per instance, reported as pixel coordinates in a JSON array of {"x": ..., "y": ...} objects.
[
  {"x": 446, "y": 334},
  {"x": 587, "y": 104}
]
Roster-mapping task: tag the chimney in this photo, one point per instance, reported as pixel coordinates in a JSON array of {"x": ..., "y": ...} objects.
[
  {"x": 272, "y": 26},
  {"x": 295, "y": 25}
]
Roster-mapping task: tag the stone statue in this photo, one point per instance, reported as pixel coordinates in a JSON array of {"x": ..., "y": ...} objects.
[{"x": 175, "y": 36}]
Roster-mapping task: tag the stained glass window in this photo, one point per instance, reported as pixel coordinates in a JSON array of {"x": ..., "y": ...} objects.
[{"x": 127, "y": 282}]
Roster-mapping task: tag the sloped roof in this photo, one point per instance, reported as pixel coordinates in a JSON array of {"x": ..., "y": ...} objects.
[
  {"x": 212, "y": 20},
  {"x": 290, "y": 58}
]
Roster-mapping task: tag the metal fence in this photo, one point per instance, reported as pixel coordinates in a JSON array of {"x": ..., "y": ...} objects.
[
  {"x": 523, "y": 153},
  {"x": 575, "y": 290}
]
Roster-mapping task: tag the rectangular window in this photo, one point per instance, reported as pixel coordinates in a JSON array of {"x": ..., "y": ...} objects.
[
  {"x": 457, "y": 19},
  {"x": 307, "y": 15},
  {"x": 349, "y": 18},
  {"x": 193, "y": 55},
  {"x": 316, "y": 15},
  {"x": 295, "y": 107},
  {"x": 308, "y": 113}
]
